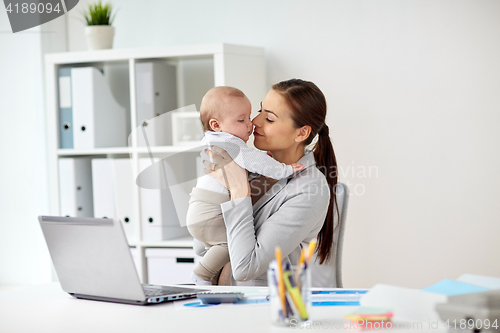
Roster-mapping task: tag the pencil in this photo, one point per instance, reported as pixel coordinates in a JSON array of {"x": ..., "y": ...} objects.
[
  {"x": 281, "y": 283},
  {"x": 312, "y": 247},
  {"x": 299, "y": 265}
]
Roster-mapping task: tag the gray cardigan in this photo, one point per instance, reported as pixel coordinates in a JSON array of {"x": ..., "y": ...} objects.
[{"x": 290, "y": 214}]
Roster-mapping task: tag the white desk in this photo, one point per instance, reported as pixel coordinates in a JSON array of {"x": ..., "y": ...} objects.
[{"x": 47, "y": 308}]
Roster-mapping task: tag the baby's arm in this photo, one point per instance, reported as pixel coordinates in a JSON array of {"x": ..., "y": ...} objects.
[
  {"x": 254, "y": 160},
  {"x": 296, "y": 166},
  {"x": 258, "y": 162}
]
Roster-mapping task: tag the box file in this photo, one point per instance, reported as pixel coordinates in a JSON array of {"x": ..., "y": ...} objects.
[
  {"x": 65, "y": 108},
  {"x": 159, "y": 219},
  {"x": 123, "y": 188},
  {"x": 156, "y": 89},
  {"x": 113, "y": 186},
  {"x": 102, "y": 183},
  {"x": 98, "y": 120},
  {"x": 170, "y": 266},
  {"x": 75, "y": 187}
]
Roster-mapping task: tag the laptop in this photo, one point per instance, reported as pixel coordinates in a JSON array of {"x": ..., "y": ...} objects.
[{"x": 92, "y": 259}]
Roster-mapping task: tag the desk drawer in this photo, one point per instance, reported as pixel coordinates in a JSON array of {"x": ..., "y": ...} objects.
[{"x": 170, "y": 266}]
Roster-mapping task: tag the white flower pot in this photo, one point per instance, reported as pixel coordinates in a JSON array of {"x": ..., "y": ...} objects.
[{"x": 99, "y": 36}]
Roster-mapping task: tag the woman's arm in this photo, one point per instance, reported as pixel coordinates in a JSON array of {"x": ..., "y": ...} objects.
[{"x": 298, "y": 218}]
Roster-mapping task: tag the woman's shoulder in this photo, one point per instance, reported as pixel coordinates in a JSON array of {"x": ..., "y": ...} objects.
[
  {"x": 311, "y": 173},
  {"x": 310, "y": 181},
  {"x": 310, "y": 176}
]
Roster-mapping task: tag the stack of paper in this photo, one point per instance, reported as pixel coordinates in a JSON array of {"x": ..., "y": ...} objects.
[{"x": 419, "y": 305}]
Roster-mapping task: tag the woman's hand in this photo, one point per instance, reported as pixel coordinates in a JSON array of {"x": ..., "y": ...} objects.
[{"x": 227, "y": 172}]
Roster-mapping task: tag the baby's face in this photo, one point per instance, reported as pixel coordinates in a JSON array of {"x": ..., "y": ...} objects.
[{"x": 236, "y": 118}]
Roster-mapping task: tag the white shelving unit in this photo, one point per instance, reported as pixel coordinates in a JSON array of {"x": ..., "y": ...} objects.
[{"x": 199, "y": 67}]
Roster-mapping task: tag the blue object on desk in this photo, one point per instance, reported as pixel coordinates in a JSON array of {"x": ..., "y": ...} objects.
[
  {"x": 342, "y": 297},
  {"x": 242, "y": 301},
  {"x": 450, "y": 287},
  {"x": 198, "y": 305},
  {"x": 329, "y": 303},
  {"x": 338, "y": 292},
  {"x": 252, "y": 301}
]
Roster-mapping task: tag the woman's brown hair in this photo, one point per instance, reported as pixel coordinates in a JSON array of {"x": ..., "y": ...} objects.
[{"x": 308, "y": 106}]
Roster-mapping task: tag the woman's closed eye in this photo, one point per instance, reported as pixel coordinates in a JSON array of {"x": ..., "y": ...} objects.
[{"x": 267, "y": 119}]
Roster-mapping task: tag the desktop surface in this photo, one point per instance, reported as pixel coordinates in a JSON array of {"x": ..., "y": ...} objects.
[{"x": 46, "y": 308}]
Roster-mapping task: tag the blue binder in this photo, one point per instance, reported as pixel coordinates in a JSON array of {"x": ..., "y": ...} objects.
[{"x": 65, "y": 108}]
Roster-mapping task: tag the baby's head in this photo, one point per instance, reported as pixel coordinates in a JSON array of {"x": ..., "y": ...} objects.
[{"x": 226, "y": 109}]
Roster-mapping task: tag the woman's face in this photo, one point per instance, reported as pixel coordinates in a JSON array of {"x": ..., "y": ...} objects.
[{"x": 274, "y": 129}]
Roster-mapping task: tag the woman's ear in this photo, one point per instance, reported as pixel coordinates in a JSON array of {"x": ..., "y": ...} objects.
[
  {"x": 303, "y": 133},
  {"x": 214, "y": 125}
]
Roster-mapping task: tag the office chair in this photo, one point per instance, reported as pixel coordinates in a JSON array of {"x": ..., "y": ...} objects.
[{"x": 322, "y": 275}]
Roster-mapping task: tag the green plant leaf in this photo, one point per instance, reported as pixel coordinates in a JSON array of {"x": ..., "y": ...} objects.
[{"x": 99, "y": 14}]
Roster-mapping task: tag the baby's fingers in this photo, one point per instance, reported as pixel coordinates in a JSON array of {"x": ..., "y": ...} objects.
[{"x": 297, "y": 167}]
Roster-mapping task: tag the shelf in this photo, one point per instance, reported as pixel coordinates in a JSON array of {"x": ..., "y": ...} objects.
[
  {"x": 128, "y": 150},
  {"x": 172, "y": 52},
  {"x": 186, "y": 242},
  {"x": 170, "y": 149},
  {"x": 94, "y": 151}
]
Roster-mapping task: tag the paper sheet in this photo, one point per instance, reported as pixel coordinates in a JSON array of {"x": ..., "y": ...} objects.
[{"x": 450, "y": 288}]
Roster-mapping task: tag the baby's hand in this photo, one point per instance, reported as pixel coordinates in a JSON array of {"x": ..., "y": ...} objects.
[{"x": 297, "y": 167}]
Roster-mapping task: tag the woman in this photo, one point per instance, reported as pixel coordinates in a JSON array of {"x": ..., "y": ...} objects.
[{"x": 266, "y": 213}]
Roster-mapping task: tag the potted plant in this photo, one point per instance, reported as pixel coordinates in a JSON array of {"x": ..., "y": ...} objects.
[{"x": 99, "y": 32}]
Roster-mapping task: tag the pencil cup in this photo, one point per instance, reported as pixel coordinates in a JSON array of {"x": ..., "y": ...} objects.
[{"x": 290, "y": 302}]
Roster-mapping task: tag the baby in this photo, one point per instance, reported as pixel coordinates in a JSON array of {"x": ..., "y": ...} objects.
[{"x": 225, "y": 115}]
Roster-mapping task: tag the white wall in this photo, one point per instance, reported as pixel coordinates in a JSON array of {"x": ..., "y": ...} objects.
[
  {"x": 412, "y": 88},
  {"x": 24, "y": 258}
]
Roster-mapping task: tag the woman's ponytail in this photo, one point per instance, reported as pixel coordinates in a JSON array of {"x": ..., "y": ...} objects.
[
  {"x": 327, "y": 164},
  {"x": 308, "y": 106}
]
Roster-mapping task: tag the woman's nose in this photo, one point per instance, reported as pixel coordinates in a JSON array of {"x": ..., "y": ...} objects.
[{"x": 255, "y": 120}]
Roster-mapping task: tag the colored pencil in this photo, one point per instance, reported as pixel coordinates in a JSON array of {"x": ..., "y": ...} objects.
[
  {"x": 281, "y": 284},
  {"x": 299, "y": 265},
  {"x": 312, "y": 247}
]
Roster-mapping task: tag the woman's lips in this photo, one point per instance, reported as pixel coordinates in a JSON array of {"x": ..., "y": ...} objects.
[{"x": 256, "y": 134}]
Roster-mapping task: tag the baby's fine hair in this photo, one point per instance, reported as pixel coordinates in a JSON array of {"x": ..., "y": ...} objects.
[{"x": 213, "y": 101}]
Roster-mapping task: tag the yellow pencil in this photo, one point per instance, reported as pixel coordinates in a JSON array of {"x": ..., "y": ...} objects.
[
  {"x": 312, "y": 247},
  {"x": 281, "y": 283},
  {"x": 299, "y": 265}
]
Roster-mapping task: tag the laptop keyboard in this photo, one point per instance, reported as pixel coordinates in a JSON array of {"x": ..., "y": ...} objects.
[
  {"x": 154, "y": 292},
  {"x": 160, "y": 291}
]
